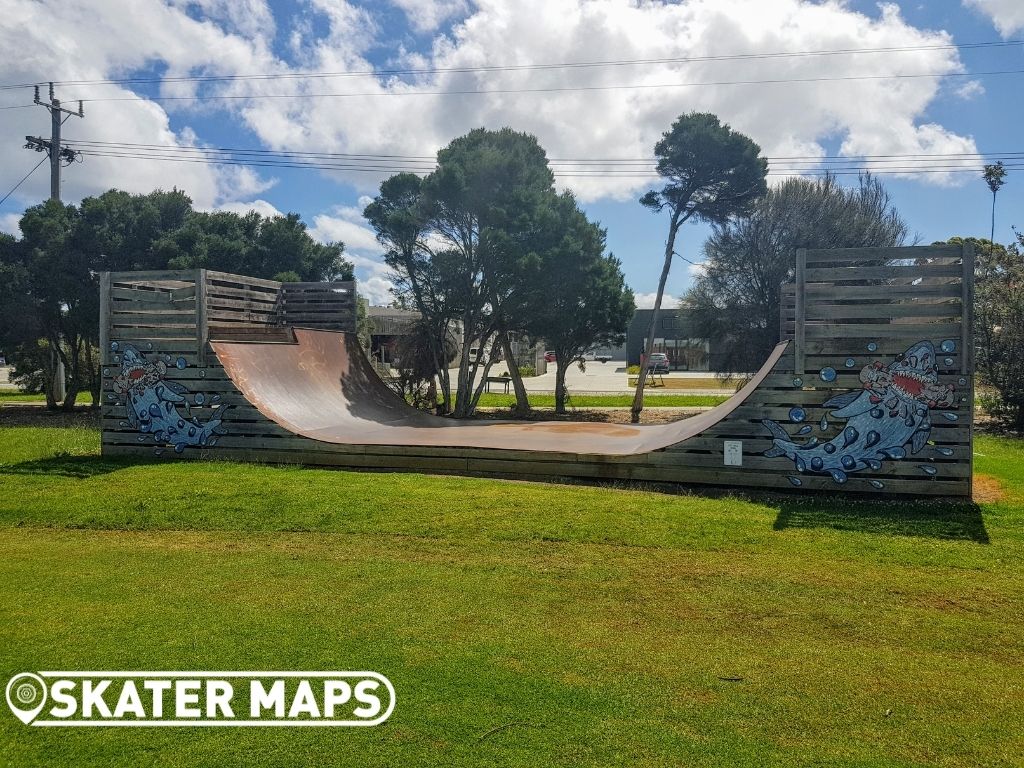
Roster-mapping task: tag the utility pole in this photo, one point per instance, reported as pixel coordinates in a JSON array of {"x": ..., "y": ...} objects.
[
  {"x": 57, "y": 154},
  {"x": 53, "y": 146}
]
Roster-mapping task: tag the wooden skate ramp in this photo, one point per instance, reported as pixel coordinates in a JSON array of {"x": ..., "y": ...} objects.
[{"x": 322, "y": 387}]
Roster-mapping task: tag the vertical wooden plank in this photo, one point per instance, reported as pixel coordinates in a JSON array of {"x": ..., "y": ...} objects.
[
  {"x": 202, "y": 326},
  {"x": 104, "y": 318},
  {"x": 104, "y": 339},
  {"x": 801, "y": 312},
  {"x": 967, "y": 350}
]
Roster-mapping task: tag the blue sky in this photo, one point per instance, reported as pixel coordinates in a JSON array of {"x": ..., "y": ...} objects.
[{"x": 955, "y": 110}]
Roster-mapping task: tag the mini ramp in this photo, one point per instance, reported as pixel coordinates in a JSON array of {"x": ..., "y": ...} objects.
[
  {"x": 872, "y": 393},
  {"x": 322, "y": 387}
]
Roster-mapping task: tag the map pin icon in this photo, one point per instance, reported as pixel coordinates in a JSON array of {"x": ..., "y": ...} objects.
[{"x": 26, "y": 696}]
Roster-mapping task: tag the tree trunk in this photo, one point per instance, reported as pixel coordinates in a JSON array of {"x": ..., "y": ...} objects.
[
  {"x": 480, "y": 386},
  {"x": 50, "y": 371},
  {"x": 560, "y": 368},
  {"x": 445, "y": 382},
  {"x": 95, "y": 375},
  {"x": 462, "y": 391},
  {"x": 74, "y": 383},
  {"x": 522, "y": 401},
  {"x": 638, "y": 398}
]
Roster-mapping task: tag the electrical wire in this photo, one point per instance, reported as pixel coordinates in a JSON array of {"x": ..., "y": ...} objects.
[
  {"x": 521, "y": 67},
  {"x": 25, "y": 178},
  {"x": 550, "y": 89},
  {"x": 570, "y": 173}
]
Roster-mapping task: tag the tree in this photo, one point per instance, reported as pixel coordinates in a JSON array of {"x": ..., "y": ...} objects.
[
  {"x": 481, "y": 204},
  {"x": 994, "y": 175},
  {"x": 275, "y": 247},
  {"x": 711, "y": 173},
  {"x": 586, "y": 301},
  {"x": 60, "y": 298},
  {"x": 417, "y": 364},
  {"x": 396, "y": 217},
  {"x": 50, "y": 290},
  {"x": 736, "y": 296},
  {"x": 999, "y": 326}
]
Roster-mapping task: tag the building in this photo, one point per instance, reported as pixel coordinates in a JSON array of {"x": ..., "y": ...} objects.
[
  {"x": 675, "y": 336},
  {"x": 388, "y": 324}
]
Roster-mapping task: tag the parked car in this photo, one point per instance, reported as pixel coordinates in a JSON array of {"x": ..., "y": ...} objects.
[
  {"x": 657, "y": 362},
  {"x": 602, "y": 357},
  {"x": 549, "y": 356}
]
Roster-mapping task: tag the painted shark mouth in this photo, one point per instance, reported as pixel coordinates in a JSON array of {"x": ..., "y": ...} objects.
[{"x": 911, "y": 382}]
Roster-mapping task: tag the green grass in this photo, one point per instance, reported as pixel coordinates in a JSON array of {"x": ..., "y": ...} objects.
[
  {"x": 597, "y": 621},
  {"x": 16, "y": 396},
  {"x": 493, "y": 400}
]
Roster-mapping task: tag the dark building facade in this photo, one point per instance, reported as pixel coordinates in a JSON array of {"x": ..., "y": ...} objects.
[
  {"x": 675, "y": 336},
  {"x": 388, "y": 325}
]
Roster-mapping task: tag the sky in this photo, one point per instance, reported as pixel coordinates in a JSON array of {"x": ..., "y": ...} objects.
[{"x": 373, "y": 87}]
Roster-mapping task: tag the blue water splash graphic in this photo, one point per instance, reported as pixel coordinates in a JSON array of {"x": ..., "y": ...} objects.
[{"x": 828, "y": 374}]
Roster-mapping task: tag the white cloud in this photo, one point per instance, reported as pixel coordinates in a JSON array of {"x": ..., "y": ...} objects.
[
  {"x": 261, "y": 207},
  {"x": 252, "y": 18},
  {"x": 646, "y": 300},
  {"x": 972, "y": 89},
  {"x": 95, "y": 39},
  {"x": 346, "y": 224},
  {"x": 1006, "y": 15},
  {"x": 9, "y": 224},
  {"x": 696, "y": 270},
  {"x": 428, "y": 15},
  {"x": 786, "y": 119}
]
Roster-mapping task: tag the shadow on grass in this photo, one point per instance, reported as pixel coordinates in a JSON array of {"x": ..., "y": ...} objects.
[
  {"x": 67, "y": 466},
  {"x": 938, "y": 520}
]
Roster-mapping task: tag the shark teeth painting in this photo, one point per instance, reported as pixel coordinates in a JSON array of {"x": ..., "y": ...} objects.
[
  {"x": 889, "y": 417},
  {"x": 159, "y": 408}
]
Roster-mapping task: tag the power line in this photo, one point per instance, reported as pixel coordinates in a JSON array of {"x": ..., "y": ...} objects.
[
  {"x": 616, "y": 162},
  {"x": 554, "y": 89},
  {"x": 571, "y": 173},
  {"x": 23, "y": 180},
  {"x": 526, "y": 67}
]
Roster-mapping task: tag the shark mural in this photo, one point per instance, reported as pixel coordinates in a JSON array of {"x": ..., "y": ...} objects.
[
  {"x": 889, "y": 417},
  {"x": 159, "y": 408}
]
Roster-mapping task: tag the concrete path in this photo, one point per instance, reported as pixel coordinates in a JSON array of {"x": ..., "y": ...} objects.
[{"x": 600, "y": 378}]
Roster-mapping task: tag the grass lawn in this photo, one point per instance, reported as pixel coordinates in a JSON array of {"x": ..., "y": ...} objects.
[
  {"x": 493, "y": 400},
  {"x": 15, "y": 396},
  {"x": 597, "y": 625}
]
